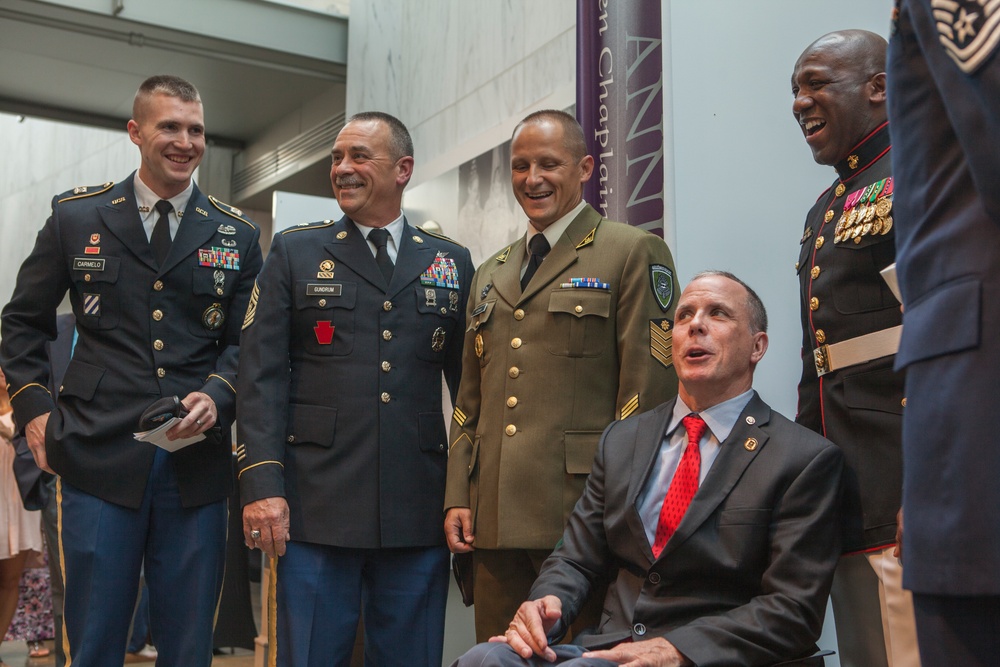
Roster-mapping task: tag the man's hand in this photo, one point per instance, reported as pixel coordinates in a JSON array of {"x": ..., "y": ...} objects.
[
  {"x": 657, "y": 652},
  {"x": 527, "y": 633},
  {"x": 458, "y": 530},
  {"x": 202, "y": 416},
  {"x": 34, "y": 433},
  {"x": 270, "y": 517},
  {"x": 898, "y": 551}
]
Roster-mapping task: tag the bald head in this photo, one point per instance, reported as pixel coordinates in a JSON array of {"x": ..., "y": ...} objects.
[{"x": 839, "y": 88}]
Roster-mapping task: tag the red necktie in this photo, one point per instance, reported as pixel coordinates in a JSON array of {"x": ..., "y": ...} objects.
[{"x": 683, "y": 486}]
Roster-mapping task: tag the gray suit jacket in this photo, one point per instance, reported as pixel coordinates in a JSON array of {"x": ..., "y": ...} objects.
[{"x": 745, "y": 578}]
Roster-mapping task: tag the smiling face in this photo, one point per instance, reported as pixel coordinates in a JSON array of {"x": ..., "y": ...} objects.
[
  {"x": 367, "y": 179},
  {"x": 170, "y": 134},
  {"x": 714, "y": 348},
  {"x": 838, "y": 100},
  {"x": 547, "y": 178}
]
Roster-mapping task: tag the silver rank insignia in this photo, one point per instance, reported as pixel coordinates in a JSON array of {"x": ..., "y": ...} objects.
[
  {"x": 437, "y": 339},
  {"x": 220, "y": 281},
  {"x": 662, "y": 281},
  {"x": 969, "y": 29}
]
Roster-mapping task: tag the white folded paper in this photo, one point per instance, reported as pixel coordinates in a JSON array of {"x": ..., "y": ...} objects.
[
  {"x": 158, "y": 437},
  {"x": 889, "y": 276}
]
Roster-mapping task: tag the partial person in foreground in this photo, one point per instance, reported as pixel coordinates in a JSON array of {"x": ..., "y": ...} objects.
[
  {"x": 343, "y": 443},
  {"x": 944, "y": 104},
  {"x": 159, "y": 276},
  {"x": 569, "y": 329},
  {"x": 717, "y": 514},
  {"x": 848, "y": 391}
]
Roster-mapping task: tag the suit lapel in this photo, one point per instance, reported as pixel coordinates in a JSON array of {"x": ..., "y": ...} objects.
[
  {"x": 734, "y": 457},
  {"x": 563, "y": 253},
  {"x": 196, "y": 228},
  {"x": 649, "y": 437},
  {"x": 506, "y": 274},
  {"x": 353, "y": 251},
  {"x": 412, "y": 260},
  {"x": 122, "y": 220}
]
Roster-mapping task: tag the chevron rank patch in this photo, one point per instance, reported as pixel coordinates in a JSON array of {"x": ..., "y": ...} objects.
[
  {"x": 661, "y": 335},
  {"x": 970, "y": 30},
  {"x": 252, "y": 306},
  {"x": 631, "y": 406}
]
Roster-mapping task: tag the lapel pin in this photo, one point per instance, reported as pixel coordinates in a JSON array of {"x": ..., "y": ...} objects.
[
  {"x": 751, "y": 420},
  {"x": 750, "y": 444}
]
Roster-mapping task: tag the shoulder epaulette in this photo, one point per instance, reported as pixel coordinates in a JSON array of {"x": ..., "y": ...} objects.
[
  {"x": 82, "y": 191},
  {"x": 231, "y": 211},
  {"x": 306, "y": 226},
  {"x": 439, "y": 236}
]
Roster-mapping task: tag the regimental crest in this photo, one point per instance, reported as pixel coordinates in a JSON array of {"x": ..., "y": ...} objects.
[
  {"x": 970, "y": 30},
  {"x": 662, "y": 281}
]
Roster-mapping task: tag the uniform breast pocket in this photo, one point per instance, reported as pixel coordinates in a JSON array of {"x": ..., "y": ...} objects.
[
  {"x": 439, "y": 310},
  {"x": 873, "y": 254},
  {"x": 96, "y": 283},
  {"x": 324, "y": 317},
  {"x": 578, "y": 321},
  {"x": 212, "y": 290}
]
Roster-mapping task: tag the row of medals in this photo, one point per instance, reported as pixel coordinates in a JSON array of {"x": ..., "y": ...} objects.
[{"x": 868, "y": 218}]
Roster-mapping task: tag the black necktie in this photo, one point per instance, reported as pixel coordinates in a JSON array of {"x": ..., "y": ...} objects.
[
  {"x": 160, "y": 240},
  {"x": 538, "y": 248},
  {"x": 380, "y": 238}
]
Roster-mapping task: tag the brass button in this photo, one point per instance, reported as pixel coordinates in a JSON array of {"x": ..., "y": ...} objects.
[
  {"x": 819, "y": 242},
  {"x": 386, "y": 335},
  {"x": 385, "y": 397},
  {"x": 161, "y": 373},
  {"x": 86, "y": 278},
  {"x": 220, "y": 291},
  {"x": 387, "y": 306},
  {"x": 857, "y": 240},
  {"x": 840, "y": 190},
  {"x": 514, "y": 371},
  {"x": 322, "y": 302},
  {"x": 516, "y": 343},
  {"x": 814, "y": 304},
  {"x": 291, "y": 438},
  {"x": 61, "y": 387},
  {"x": 157, "y": 315},
  {"x": 519, "y": 314},
  {"x": 820, "y": 336},
  {"x": 511, "y": 401},
  {"x": 796, "y": 266},
  {"x": 828, "y": 217},
  {"x": 815, "y": 272},
  {"x": 386, "y": 366},
  {"x": 510, "y": 430},
  {"x": 903, "y": 402},
  {"x": 157, "y": 345},
  {"x": 158, "y": 285},
  {"x": 578, "y": 308}
]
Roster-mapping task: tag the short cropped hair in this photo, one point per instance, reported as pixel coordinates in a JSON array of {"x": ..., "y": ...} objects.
[
  {"x": 167, "y": 84},
  {"x": 758, "y": 314},
  {"x": 400, "y": 142},
  {"x": 573, "y": 138}
]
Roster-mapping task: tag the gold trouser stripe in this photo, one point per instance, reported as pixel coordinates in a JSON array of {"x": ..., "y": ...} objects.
[
  {"x": 62, "y": 568},
  {"x": 272, "y": 613},
  {"x": 218, "y": 600}
]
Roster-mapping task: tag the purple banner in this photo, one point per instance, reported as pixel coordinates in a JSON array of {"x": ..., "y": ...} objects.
[{"x": 619, "y": 103}]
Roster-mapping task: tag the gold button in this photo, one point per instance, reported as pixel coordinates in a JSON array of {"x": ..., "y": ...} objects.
[
  {"x": 578, "y": 308},
  {"x": 510, "y": 430},
  {"x": 512, "y": 401},
  {"x": 157, "y": 345},
  {"x": 903, "y": 402},
  {"x": 820, "y": 336},
  {"x": 219, "y": 291},
  {"x": 86, "y": 278},
  {"x": 386, "y": 366},
  {"x": 291, "y": 438},
  {"x": 158, "y": 285},
  {"x": 387, "y": 306},
  {"x": 828, "y": 217},
  {"x": 161, "y": 373},
  {"x": 61, "y": 387},
  {"x": 444, "y": 311},
  {"x": 814, "y": 304},
  {"x": 796, "y": 266},
  {"x": 857, "y": 240},
  {"x": 519, "y": 314},
  {"x": 386, "y": 335},
  {"x": 516, "y": 343},
  {"x": 815, "y": 272},
  {"x": 840, "y": 190},
  {"x": 819, "y": 242},
  {"x": 514, "y": 371},
  {"x": 157, "y": 315},
  {"x": 385, "y": 397}
]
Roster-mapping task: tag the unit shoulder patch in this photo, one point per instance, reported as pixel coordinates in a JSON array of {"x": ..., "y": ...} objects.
[
  {"x": 81, "y": 191},
  {"x": 661, "y": 280}
]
